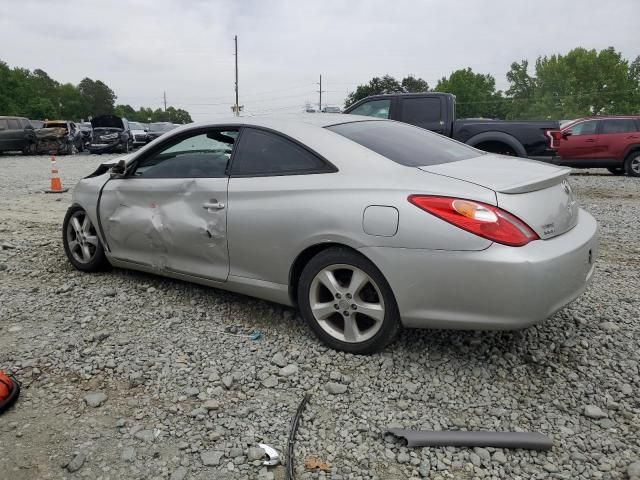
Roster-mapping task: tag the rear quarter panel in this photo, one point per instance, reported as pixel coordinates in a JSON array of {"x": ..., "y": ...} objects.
[{"x": 271, "y": 220}]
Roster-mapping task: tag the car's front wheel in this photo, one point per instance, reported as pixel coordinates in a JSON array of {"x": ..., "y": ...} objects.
[
  {"x": 632, "y": 164},
  {"x": 347, "y": 302},
  {"x": 81, "y": 242}
]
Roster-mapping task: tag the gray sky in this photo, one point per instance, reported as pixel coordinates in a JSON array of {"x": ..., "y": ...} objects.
[{"x": 141, "y": 48}]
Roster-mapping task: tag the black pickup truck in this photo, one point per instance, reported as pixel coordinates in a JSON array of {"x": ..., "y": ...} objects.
[{"x": 436, "y": 112}]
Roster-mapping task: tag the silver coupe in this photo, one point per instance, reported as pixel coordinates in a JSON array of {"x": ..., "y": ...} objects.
[{"x": 366, "y": 225}]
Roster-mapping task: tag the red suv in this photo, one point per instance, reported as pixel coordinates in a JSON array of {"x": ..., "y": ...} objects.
[{"x": 599, "y": 142}]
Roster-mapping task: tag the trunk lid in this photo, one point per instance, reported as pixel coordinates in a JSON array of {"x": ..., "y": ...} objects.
[
  {"x": 107, "y": 121},
  {"x": 537, "y": 193}
]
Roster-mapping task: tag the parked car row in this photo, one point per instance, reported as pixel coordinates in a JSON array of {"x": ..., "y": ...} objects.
[
  {"x": 592, "y": 142},
  {"x": 104, "y": 134}
]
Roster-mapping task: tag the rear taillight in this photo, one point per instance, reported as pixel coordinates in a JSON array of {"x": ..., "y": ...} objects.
[
  {"x": 554, "y": 136},
  {"x": 478, "y": 218}
]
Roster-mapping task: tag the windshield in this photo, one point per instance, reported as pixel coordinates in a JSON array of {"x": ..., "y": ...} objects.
[
  {"x": 160, "y": 127},
  {"x": 135, "y": 126},
  {"x": 405, "y": 144},
  {"x": 55, "y": 125}
]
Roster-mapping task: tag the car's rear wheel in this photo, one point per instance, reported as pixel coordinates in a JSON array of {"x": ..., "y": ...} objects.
[
  {"x": 632, "y": 164},
  {"x": 81, "y": 242},
  {"x": 347, "y": 302},
  {"x": 616, "y": 170}
]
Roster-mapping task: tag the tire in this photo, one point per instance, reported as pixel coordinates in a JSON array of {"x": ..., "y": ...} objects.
[
  {"x": 81, "y": 242},
  {"x": 72, "y": 149},
  {"x": 347, "y": 305},
  {"x": 616, "y": 170},
  {"x": 632, "y": 164}
]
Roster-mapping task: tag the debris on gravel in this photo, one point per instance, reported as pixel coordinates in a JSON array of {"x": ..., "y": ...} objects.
[{"x": 187, "y": 402}]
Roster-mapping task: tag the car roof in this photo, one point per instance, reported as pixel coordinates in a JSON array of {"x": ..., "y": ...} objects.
[
  {"x": 571, "y": 123},
  {"x": 286, "y": 120}
]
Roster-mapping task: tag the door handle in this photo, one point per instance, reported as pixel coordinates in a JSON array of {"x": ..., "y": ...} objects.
[{"x": 213, "y": 205}]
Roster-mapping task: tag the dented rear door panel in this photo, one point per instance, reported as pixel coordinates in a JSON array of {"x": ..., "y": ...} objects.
[{"x": 169, "y": 224}]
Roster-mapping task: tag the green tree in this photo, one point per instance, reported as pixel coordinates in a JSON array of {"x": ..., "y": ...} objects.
[
  {"x": 70, "y": 101},
  {"x": 386, "y": 84},
  {"x": 128, "y": 112},
  {"x": 411, "y": 84},
  {"x": 178, "y": 115},
  {"x": 582, "y": 82},
  {"x": 376, "y": 86},
  {"x": 476, "y": 94},
  {"x": 98, "y": 97}
]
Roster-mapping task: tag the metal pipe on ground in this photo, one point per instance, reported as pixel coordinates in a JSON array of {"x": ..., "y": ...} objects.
[{"x": 525, "y": 440}]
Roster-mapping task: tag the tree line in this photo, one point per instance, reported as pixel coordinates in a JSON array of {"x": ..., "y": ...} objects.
[
  {"x": 34, "y": 94},
  {"x": 581, "y": 83}
]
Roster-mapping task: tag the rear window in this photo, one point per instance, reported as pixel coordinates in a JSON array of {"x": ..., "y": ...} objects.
[
  {"x": 620, "y": 125},
  {"x": 405, "y": 144},
  {"x": 421, "y": 110}
]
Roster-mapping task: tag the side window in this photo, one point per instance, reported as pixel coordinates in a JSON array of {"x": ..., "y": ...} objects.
[
  {"x": 585, "y": 128},
  {"x": 26, "y": 123},
  {"x": 204, "y": 155},
  {"x": 4, "y": 124},
  {"x": 262, "y": 153},
  {"x": 14, "y": 124},
  {"x": 374, "y": 108},
  {"x": 421, "y": 110},
  {"x": 622, "y": 125}
]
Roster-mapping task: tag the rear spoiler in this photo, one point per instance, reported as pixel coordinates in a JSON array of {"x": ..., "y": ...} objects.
[{"x": 547, "y": 181}]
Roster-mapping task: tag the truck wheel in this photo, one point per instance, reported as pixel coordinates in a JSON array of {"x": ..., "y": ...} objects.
[
  {"x": 632, "y": 164},
  {"x": 347, "y": 302}
]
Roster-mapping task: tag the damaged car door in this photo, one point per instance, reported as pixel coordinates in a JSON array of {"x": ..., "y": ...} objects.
[{"x": 168, "y": 212}]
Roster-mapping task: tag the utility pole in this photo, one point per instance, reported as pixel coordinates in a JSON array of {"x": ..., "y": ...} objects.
[
  {"x": 320, "y": 92},
  {"x": 237, "y": 107},
  {"x": 165, "y": 101}
]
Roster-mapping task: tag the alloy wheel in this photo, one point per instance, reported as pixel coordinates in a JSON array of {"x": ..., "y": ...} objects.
[
  {"x": 347, "y": 303},
  {"x": 635, "y": 164},
  {"x": 82, "y": 237}
]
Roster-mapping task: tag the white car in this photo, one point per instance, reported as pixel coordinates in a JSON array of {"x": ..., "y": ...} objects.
[{"x": 139, "y": 134}]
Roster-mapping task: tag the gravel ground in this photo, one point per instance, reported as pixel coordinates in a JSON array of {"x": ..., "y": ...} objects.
[{"x": 128, "y": 375}]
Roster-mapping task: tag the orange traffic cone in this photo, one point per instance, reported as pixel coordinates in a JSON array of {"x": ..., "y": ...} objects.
[{"x": 56, "y": 184}]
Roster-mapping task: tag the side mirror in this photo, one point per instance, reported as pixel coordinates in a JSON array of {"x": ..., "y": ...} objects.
[
  {"x": 566, "y": 134},
  {"x": 119, "y": 169}
]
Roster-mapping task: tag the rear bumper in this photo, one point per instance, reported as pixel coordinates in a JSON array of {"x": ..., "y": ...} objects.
[{"x": 499, "y": 288}]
